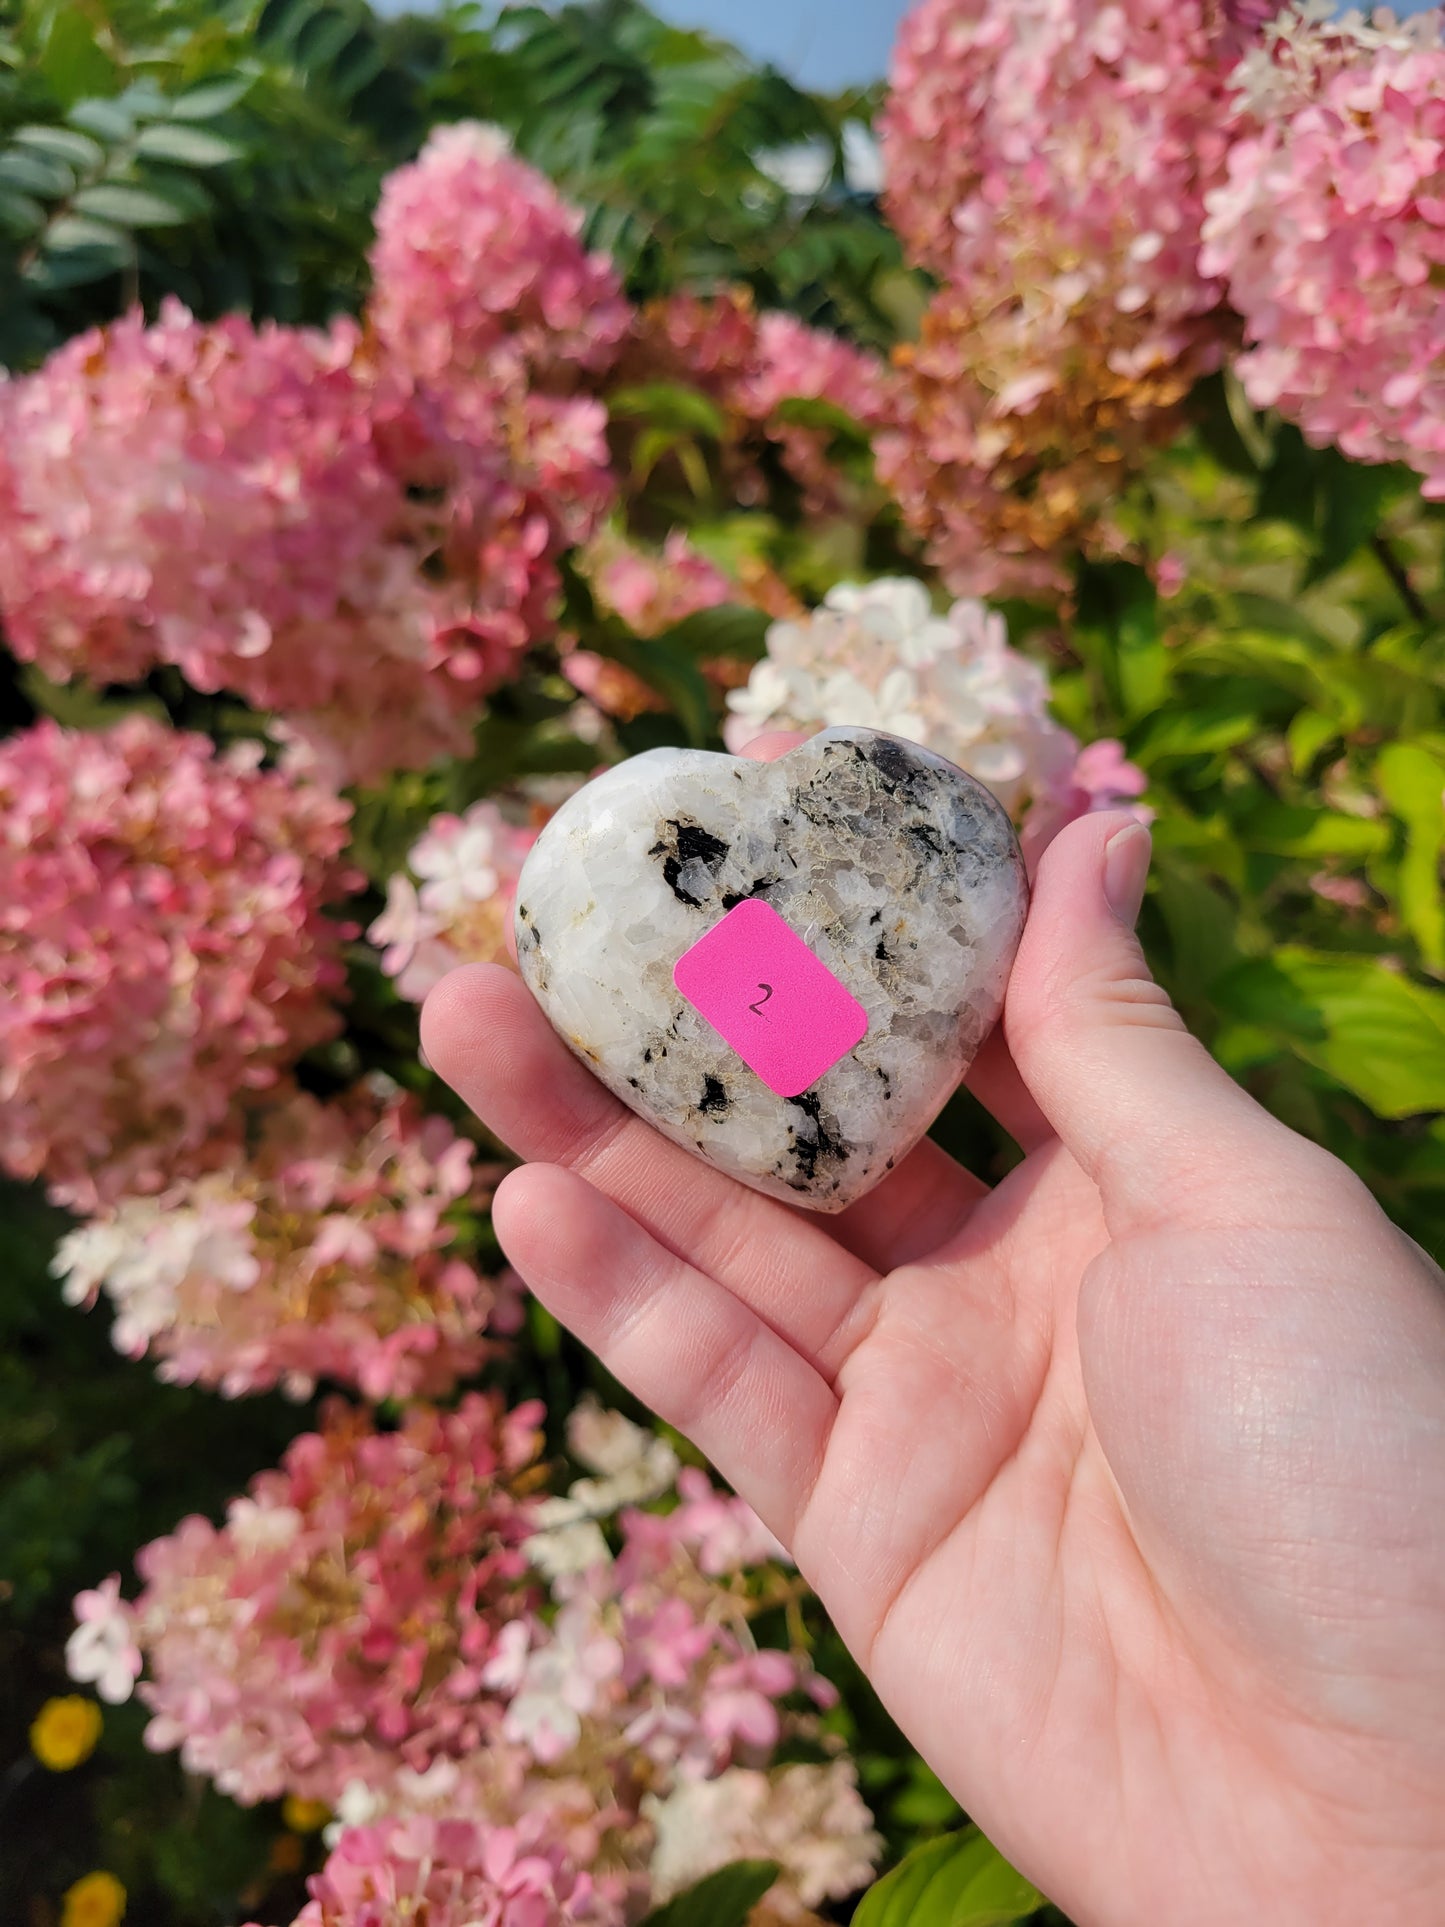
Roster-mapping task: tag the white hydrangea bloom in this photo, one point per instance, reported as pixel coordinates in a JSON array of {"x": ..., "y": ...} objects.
[{"x": 877, "y": 654}]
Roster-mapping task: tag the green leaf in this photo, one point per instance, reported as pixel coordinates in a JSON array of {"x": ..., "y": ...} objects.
[
  {"x": 20, "y": 214},
  {"x": 1371, "y": 1029},
  {"x": 1283, "y": 829},
  {"x": 1308, "y": 734},
  {"x": 70, "y": 231},
  {"x": 1218, "y": 429},
  {"x": 1119, "y": 617},
  {"x": 961, "y": 1880},
  {"x": 213, "y": 98},
  {"x": 129, "y": 207},
  {"x": 106, "y": 119},
  {"x": 1289, "y": 491},
  {"x": 36, "y": 174},
  {"x": 62, "y": 144},
  {"x": 809, "y": 411},
  {"x": 1411, "y": 781},
  {"x": 724, "y": 1899},
  {"x": 190, "y": 146},
  {"x": 676, "y": 679},
  {"x": 76, "y": 251},
  {"x": 1354, "y": 495},
  {"x": 71, "y": 60},
  {"x": 1202, "y": 730},
  {"x": 670, "y": 404},
  {"x": 729, "y": 629}
]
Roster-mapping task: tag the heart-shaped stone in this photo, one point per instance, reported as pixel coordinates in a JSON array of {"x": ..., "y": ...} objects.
[{"x": 786, "y": 967}]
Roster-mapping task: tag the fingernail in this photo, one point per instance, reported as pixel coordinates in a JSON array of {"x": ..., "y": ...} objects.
[{"x": 1126, "y": 871}]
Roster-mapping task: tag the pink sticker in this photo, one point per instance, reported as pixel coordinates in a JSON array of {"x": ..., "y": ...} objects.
[{"x": 780, "y": 1007}]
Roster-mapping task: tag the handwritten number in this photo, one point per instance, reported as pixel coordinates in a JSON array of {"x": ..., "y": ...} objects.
[{"x": 767, "y": 990}]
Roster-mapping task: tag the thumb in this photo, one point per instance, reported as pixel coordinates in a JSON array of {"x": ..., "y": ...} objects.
[{"x": 1140, "y": 1104}]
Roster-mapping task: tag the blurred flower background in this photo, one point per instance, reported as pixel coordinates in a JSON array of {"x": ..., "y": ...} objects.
[{"x": 405, "y": 416}]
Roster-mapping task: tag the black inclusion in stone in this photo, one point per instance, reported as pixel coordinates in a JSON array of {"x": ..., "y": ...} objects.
[
  {"x": 892, "y": 761},
  {"x": 813, "y": 1154},
  {"x": 758, "y": 887},
  {"x": 925, "y": 834},
  {"x": 714, "y": 1099},
  {"x": 688, "y": 843}
]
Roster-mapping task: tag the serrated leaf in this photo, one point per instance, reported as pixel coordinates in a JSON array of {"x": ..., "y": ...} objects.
[
  {"x": 723, "y": 1899},
  {"x": 188, "y": 146},
  {"x": 37, "y": 174},
  {"x": 1371, "y": 1029},
  {"x": 959, "y": 1881},
  {"x": 212, "y": 98},
  {"x": 128, "y": 207},
  {"x": 62, "y": 144}
]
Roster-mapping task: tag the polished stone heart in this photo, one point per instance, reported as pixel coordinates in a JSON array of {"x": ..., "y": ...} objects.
[{"x": 786, "y": 967}]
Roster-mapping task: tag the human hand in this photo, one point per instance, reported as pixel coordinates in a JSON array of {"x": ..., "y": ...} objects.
[{"x": 1125, "y": 1480}]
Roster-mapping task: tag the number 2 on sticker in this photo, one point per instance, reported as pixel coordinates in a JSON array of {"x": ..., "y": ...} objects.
[{"x": 767, "y": 990}]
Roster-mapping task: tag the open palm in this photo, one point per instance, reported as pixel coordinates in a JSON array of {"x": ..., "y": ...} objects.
[{"x": 1125, "y": 1481}]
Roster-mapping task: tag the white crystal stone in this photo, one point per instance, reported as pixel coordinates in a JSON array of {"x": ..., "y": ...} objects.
[{"x": 898, "y": 871}]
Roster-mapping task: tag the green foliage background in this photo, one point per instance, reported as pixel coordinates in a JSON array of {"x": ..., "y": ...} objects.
[{"x": 1286, "y": 705}]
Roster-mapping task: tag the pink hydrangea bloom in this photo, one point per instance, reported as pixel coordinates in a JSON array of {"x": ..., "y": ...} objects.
[
  {"x": 478, "y": 271},
  {"x": 653, "y": 591},
  {"x": 1048, "y": 159},
  {"x": 722, "y": 1531},
  {"x": 102, "y": 1650},
  {"x": 751, "y": 365},
  {"x": 461, "y": 910},
  {"x": 339, "y": 1624},
  {"x": 810, "y": 1819},
  {"x": 519, "y": 479},
  {"x": 487, "y": 307},
  {"x": 643, "y": 1677},
  {"x": 235, "y": 501},
  {"x": 162, "y": 949},
  {"x": 647, "y": 1656},
  {"x": 1330, "y": 232},
  {"x": 1102, "y": 778},
  {"x": 792, "y": 362},
  {"x": 451, "y": 1873},
  {"x": 323, "y": 1253}
]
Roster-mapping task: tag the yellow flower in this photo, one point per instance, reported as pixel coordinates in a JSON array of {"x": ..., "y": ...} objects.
[
  {"x": 65, "y": 1731},
  {"x": 304, "y": 1816},
  {"x": 96, "y": 1901}
]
